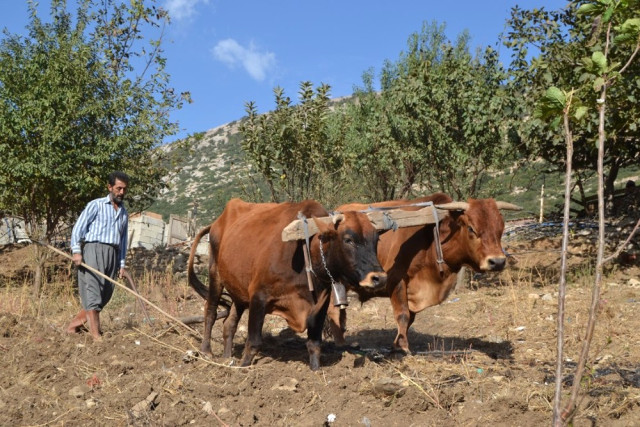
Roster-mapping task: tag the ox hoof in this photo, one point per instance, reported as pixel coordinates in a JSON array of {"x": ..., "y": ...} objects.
[
  {"x": 205, "y": 355},
  {"x": 246, "y": 361},
  {"x": 205, "y": 351},
  {"x": 399, "y": 354}
]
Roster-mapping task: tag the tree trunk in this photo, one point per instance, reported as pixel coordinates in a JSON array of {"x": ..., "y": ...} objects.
[{"x": 609, "y": 186}]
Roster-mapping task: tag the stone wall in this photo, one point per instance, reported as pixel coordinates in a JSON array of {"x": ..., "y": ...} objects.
[
  {"x": 146, "y": 230},
  {"x": 12, "y": 230}
]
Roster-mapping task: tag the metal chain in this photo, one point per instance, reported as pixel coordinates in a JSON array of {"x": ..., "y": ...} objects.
[{"x": 324, "y": 262}]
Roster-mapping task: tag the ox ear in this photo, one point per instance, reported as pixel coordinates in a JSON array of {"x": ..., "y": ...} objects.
[
  {"x": 454, "y": 206},
  {"x": 508, "y": 206}
]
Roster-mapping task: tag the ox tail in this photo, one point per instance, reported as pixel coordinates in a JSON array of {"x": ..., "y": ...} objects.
[{"x": 194, "y": 281}]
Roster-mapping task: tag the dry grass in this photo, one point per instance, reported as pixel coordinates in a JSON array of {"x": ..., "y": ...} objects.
[{"x": 485, "y": 356}]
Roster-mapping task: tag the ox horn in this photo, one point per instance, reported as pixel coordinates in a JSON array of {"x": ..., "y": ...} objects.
[
  {"x": 454, "y": 206},
  {"x": 337, "y": 218},
  {"x": 508, "y": 206}
]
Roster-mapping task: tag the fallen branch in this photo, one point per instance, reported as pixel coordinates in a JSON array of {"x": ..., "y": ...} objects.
[{"x": 622, "y": 246}]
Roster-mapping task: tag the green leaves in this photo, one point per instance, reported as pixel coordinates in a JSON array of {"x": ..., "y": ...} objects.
[
  {"x": 603, "y": 8},
  {"x": 580, "y": 112},
  {"x": 628, "y": 32},
  {"x": 589, "y": 9},
  {"x": 289, "y": 146},
  {"x": 599, "y": 61},
  {"x": 67, "y": 119},
  {"x": 551, "y": 104},
  {"x": 572, "y": 56},
  {"x": 555, "y": 98}
]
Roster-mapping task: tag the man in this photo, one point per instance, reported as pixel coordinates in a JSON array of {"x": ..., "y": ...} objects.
[{"x": 103, "y": 227}]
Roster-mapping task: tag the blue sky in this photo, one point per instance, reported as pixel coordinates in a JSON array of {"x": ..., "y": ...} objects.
[{"x": 229, "y": 52}]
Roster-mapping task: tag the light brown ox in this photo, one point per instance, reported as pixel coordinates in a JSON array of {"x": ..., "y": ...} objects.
[
  {"x": 248, "y": 259},
  {"x": 470, "y": 235}
]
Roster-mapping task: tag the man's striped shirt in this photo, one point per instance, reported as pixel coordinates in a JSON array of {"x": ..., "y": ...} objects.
[{"x": 100, "y": 222}]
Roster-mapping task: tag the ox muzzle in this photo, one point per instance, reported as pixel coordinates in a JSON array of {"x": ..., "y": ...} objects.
[
  {"x": 374, "y": 280},
  {"x": 496, "y": 263}
]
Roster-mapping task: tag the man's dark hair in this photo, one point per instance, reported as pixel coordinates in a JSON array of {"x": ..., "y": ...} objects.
[{"x": 119, "y": 176}]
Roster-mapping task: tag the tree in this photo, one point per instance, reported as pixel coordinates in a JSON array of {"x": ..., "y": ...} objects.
[
  {"x": 439, "y": 121},
  {"x": 614, "y": 26},
  {"x": 563, "y": 43},
  {"x": 370, "y": 149},
  {"x": 78, "y": 100},
  {"x": 289, "y": 146}
]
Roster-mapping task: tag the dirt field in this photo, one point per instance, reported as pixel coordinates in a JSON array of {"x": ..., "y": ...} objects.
[{"x": 484, "y": 357}]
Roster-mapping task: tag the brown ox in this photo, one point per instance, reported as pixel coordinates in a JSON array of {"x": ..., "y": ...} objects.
[
  {"x": 248, "y": 258},
  {"x": 470, "y": 235}
]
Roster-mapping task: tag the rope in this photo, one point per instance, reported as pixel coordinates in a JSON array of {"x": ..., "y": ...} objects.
[{"x": 436, "y": 240}]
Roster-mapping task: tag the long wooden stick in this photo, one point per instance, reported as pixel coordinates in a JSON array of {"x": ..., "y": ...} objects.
[{"x": 93, "y": 270}]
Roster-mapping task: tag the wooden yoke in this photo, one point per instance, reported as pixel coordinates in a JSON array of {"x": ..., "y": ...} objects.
[{"x": 381, "y": 220}]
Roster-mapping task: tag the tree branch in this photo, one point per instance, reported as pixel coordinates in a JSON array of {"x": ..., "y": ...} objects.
[{"x": 621, "y": 247}]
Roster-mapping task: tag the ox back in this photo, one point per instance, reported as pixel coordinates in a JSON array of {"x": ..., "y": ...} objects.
[
  {"x": 260, "y": 272},
  {"x": 408, "y": 255}
]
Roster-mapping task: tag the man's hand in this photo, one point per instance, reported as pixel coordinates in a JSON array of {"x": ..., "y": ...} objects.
[
  {"x": 77, "y": 259},
  {"x": 121, "y": 273}
]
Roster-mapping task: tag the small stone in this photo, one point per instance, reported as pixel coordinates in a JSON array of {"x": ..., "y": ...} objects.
[
  {"x": 534, "y": 296},
  {"x": 391, "y": 387},
  {"x": 91, "y": 402},
  {"x": 144, "y": 405},
  {"x": 190, "y": 356},
  {"x": 635, "y": 283},
  {"x": 547, "y": 297},
  {"x": 603, "y": 359},
  {"x": 286, "y": 384},
  {"x": 79, "y": 391}
]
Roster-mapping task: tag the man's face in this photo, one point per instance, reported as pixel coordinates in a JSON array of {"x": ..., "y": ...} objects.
[{"x": 117, "y": 191}]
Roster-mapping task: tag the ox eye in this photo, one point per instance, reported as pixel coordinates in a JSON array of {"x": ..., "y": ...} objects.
[
  {"x": 471, "y": 230},
  {"x": 349, "y": 241}
]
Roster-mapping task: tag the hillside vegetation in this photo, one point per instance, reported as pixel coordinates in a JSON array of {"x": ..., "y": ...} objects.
[{"x": 215, "y": 170}]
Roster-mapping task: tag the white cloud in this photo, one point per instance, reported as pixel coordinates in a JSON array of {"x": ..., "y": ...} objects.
[
  {"x": 254, "y": 62},
  {"x": 182, "y": 9}
]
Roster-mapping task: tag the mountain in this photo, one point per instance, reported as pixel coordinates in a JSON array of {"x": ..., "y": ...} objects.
[
  {"x": 214, "y": 170},
  {"x": 210, "y": 174}
]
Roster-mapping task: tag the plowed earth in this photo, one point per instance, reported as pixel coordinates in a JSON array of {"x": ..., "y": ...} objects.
[{"x": 486, "y": 356}]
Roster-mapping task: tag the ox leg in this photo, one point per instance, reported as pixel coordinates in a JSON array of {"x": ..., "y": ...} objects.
[
  {"x": 404, "y": 319},
  {"x": 230, "y": 326},
  {"x": 337, "y": 322},
  {"x": 257, "y": 311},
  {"x": 210, "y": 311},
  {"x": 315, "y": 323},
  {"x": 210, "y": 315}
]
